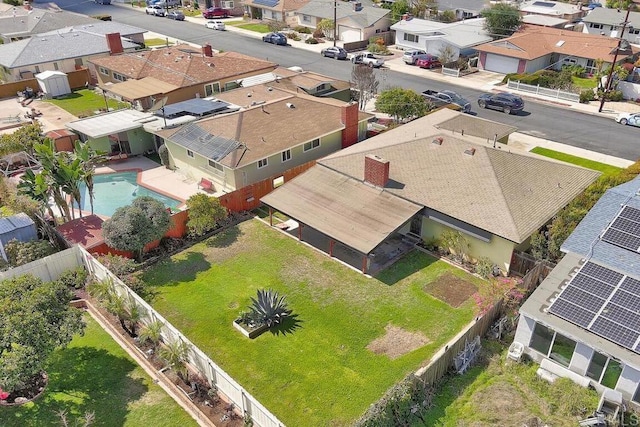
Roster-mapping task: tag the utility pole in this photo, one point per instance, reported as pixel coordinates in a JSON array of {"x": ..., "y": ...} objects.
[
  {"x": 335, "y": 21},
  {"x": 615, "y": 59}
]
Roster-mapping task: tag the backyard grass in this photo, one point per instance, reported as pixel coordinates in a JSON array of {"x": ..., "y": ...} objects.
[
  {"x": 584, "y": 83},
  {"x": 94, "y": 374},
  {"x": 500, "y": 393},
  {"x": 579, "y": 161},
  {"x": 85, "y": 102},
  {"x": 315, "y": 368},
  {"x": 154, "y": 42}
]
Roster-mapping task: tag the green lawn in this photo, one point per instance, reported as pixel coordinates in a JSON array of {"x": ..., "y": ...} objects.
[
  {"x": 94, "y": 374},
  {"x": 315, "y": 370},
  {"x": 85, "y": 102},
  {"x": 579, "y": 161},
  {"x": 155, "y": 42},
  {"x": 258, "y": 28},
  {"x": 584, "y": 83}
]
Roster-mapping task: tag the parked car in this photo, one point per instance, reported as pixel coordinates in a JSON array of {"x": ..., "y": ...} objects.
[
  {"x": 505, "y": 102},
  {"x": 103, "y": 1},
  {"x": 367, "y": 58},
  {"x": 215, "y": 12},
  {"x": 215, "y": 25},
  {"x": 155, "y": 10},
  {"x": 427, "y": 61},
  {"x": 176, "y": 14},
  {"x": 409, "y": 56},
  {"x": 166, "y": 3},
  {"x": 631, "y": 119},
  {"x": 334, "y": 52},
  {"x": 447, "y": 97},
  {"x": 275, "y": 38}
]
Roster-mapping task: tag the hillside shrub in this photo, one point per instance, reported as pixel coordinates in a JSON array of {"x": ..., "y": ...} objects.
[{"x": 587, "y": 95}]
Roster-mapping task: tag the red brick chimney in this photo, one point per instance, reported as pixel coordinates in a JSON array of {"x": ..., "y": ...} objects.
[
  {"x": 376, "y": 170},
  {"x": 207, "y": 50},
  {"x": 350, "y": 122},
  {"x": 114, "y": 42}
]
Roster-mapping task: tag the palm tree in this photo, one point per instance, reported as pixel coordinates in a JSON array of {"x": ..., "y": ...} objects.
[
  {"x": 90, "y": 158},
  {"x": 176, "y": 354},
  {"x": 102, "y": 290},
  {"x": 151, "y": 333},
  {"x": 36, "y": 187}
]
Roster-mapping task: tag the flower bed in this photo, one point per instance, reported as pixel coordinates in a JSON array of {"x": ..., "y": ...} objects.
[{"x": 249, "y": 330}]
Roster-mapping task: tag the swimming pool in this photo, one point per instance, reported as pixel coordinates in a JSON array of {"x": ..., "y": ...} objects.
[{"x": 115, "y": 190}]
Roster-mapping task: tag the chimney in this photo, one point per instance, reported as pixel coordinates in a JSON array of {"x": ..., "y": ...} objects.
[
  {"x": 376, "y": 170},
  {"x": 207, "y": 50},
  {"x": 114, "y": 43},
  {"x": 357, "y": 6},
  {"x": 350, "y": 122}
]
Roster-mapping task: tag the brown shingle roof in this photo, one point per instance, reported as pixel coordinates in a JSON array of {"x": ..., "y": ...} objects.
[
  {"x": 86, "y": 231},
  {"x": 183, "y": 65},
  {"x": 534, "y": 41}
]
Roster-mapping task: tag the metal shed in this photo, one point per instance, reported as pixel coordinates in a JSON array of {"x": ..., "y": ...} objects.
[
  {"x": 53, "y": 83},
  {"x": 19, "y": 227}
]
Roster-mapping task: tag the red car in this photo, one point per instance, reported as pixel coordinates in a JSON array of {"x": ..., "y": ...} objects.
[
  {"x": 215, "y": 12},
  {"x": 428, "y": 61}
]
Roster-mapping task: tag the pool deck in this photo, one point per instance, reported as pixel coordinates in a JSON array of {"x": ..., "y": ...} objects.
[{"x": 156, "y": 177}]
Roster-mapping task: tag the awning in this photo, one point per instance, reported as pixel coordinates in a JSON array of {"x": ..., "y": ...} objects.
[
  {"x": 132, "y": 90},
  {"x": 111, "y": 123},
  {"x": 356, "y": 214}
]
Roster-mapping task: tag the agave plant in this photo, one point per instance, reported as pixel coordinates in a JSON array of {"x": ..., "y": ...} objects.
[{"x": 269, "y": 308}]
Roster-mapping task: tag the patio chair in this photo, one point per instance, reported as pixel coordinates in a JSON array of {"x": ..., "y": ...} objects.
[
  {"x": 206, "y": 185},
  {"x": 515, "y": 351}
]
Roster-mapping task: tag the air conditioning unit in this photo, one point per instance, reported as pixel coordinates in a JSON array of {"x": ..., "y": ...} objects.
[{"x": 227, "y": 5}]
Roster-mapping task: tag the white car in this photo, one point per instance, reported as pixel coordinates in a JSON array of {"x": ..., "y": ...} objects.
[
  {"x": 154, "y": 9},
  {"x": 631, "y": 119},
  {"x": 215, "y": 25}
]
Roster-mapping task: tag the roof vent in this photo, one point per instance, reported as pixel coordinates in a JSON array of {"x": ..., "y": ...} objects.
[
  {"x": 249, "y": 95},
  {"x": 269, "y": 89},
  {"x": 290, "y": 105},
  {"x": 470, "y": 151},
  {"x": 437, "y": 141}
]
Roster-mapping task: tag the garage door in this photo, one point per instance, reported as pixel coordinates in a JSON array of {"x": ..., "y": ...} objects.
[
  {"x": 501, "y": 64},
  {"x": 348, "y": 34}
]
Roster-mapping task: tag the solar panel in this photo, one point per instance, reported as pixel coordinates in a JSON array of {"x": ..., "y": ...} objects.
[
  {"x": 583, "y": 299},
  {"x": 631, "y": 285},
  {"x": 572, "y": 313},
  {"x": 622, "y": 239},
  {"x": 625, "y": 230},
  {"x": 592, "y": 285},
  {"x": 621, "y": 316},
  {"x": 630, "y": 213},
  {"x": 602, "y": 273},
  {"x": 268, "y": 3},
  {"x": 614, "y": 332},
  {"x": 194, "y": 107},
  {"x": 198, "y": 140}
]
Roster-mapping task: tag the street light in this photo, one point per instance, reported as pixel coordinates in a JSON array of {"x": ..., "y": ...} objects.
[{"x": 622, "y": 45}]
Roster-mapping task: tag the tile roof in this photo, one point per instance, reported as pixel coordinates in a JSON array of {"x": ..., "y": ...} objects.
[
  {"x": 183, "y": 65},
  {"x": 534, "y": 41},
  {"x": 281, "y": 5},
  {"x": 469, "y": 32},
  {"x": 41, "y": 21},
  {"x": 506, "y": 193},
  {"x": 365, "y": 17},
  {"x": 136, "y": 89},
  {"x": 51, "y": 47}
]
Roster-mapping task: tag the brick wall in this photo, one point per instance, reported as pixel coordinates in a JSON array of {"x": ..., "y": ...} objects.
[
  {"x": 350, "y": 121},
  {"x": 376, "y": 170}
]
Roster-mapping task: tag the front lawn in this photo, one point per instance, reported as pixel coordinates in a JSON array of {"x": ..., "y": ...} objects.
[
  {"x": 258, "y": 28},
  {"x": 157, "y": 42},
  {"x": 94, "y": 374},
  {"x": 315, "y": 369},
  {"x": 584, "y": 83},
  {"x": 85, "y": 102},
  {"x": 579, "y": 161}
]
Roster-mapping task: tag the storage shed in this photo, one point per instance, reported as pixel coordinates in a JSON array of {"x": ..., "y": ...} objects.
[
  {"x": 53, "y": 83},
  {"x": 19, "y": 227}
]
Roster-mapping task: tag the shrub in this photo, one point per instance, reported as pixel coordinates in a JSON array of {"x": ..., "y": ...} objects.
[
  {"x": 311, "y": 40},
  {"x": 376, "y": 48},
  {"x": 20, "y": 253},
  {"x": 276, "y": 26},
  {"x": 302, "y": 30},
  {"x": 269, "y": 308},
  {"x": 587, "y": 95},
  {"x": 318, "y": 33},
  {"x": 75, "y": 278},
  {"x": 615, "y": 96},
  {"x": 163, "y": 152},
  {"x": 484, "y": 267},
  {"x": 294, "y": 36},
  {"x": 432, "y": 244},
  {"x": 118, "y": 265}
]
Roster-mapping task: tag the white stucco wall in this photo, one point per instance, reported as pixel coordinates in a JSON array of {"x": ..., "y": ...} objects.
[
  {"x": 629, "y": 90},
  {"x": 581, "y": 358},
  {"x": 628, "y": 382}
]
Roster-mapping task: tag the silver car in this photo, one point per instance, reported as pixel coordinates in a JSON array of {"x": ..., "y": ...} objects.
[{"x": 410, "y": 56}]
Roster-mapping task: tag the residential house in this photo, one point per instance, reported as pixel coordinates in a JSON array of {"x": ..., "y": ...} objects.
[
  {"x": 274, "y": 10},
  {"x": 19, "y": 23},
  {"x": 65, "y": 50},
  {"x": 537, "y": 48},
  {"x": 435, "y": 174},
  {"x": 431, "y": 36},
  {"x": 609, "y": 22},
  {"x": 552, "y": 9},
  {"x": 583, "y": 322},
  {"x": 463, "y": 9},
  {"x": 276, "y": 130},
  {"x": 178, "y": 73},
  {"x": 546, "y": 21},
  {"x": 355, "y": 22}
]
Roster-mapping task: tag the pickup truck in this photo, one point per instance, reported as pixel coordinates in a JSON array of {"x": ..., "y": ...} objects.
[
  {"x": 367, "y": 58},
  {"x": 447, "y": 97}
]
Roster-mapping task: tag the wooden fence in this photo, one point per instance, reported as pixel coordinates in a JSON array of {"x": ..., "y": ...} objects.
[
  {"x": 536, "y": 275},
  {"x": 442, "y": 361},
  {"x": 389, "y": 38},
  {"x": 521, "y": 263},
  {"x": 77, "y": 79}
]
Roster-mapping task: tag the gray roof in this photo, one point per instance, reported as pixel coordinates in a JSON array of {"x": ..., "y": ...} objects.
[
  {"x": 52, "y": 47},
  {"x": 359, "y": 216},
  {"x": 365, "y": 17},
  {"x": 466, "y": 5},
  {"x": 111, "y": 123},
  {"x": 13, "y": 222},
  {"x": 462, "y": 34},
  {"x": 41, "y": 21},
  {"x": 475, "y": 126},
  {"x": 546, "y": 21},
  {"x": 105, "y": 27},
  {"x": 615, "y": 17},
  {"x": 585, "y": 239}
]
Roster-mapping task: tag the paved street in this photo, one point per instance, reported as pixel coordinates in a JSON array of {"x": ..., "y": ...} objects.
[{"x": 541, "y": 119}]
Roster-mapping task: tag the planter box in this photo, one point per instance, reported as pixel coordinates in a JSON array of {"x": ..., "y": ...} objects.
[{"x": 252, "y": 332}]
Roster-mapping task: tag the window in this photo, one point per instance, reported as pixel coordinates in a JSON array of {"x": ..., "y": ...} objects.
[
  {"x": 605, "y": 370},
  {"x": 596, "y": 366},
  {"x": 611, "y": 374},
  {"x": 306, "y": 18},
  {"x": 262, "y": 163},
  {"x": 231, "y": 85},
  {"x": 37, "y": 69},
  {"x": 217, "y": 166},
  {"x": 55, "y": 66},
  {"x": 286, "y": 155},
  {"x": 78, "y": 62},
  {"x": 190, "y": 153},
  {"x": 541, "y": 339},
  {"x": 411, "y": 38},
  {"x": 227, "y": 5},
  {"x": 311, "y": 145},
  {"x": 562, "y": 350},
  {"x": 636, "y": 395},
  {"x": 634, "y": 30},
  {"x": 211, "y": 88},
  {"x": 119, "y": 77},
  {"x": 104, "y": 71},
  {"x": 593, "y": 25}
]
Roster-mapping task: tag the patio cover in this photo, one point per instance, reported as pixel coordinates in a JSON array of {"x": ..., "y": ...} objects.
[
  {"x": 111, "y": 123},
  {"x": 143, "y": 88},
  {"x": 356, "y": 214}
]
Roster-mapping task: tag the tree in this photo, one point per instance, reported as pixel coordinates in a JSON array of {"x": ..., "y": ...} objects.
[
  {"x": 402, "y": 104},
  {"x": 365, "y": 82},
  {"x": 326, "y": 26},
  {"x": 176, "y": 354},
  {"x": 204, "y": 213},
  {"x": 447, "y": 16},
  {"x": 23, "y": 139},
  {"x": 35, "y": 319},
  {"x": 446, "y": 54},
  {"x": 501, "y": 19},
  {"x": 132, "y": 227},
  {"x": 424, "y": 8},
  {"x": 89, "y": 159},
  {"x": 399, "y": 8},
  {"x": 621, "y": 4},
  {"x": 151, "y": 333}
]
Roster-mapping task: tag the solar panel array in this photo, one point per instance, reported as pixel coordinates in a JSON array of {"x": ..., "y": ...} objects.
[
  {"x": 195, "y": 107},
  {"x": 268, "y": 3},
  {"x": 624, "y": 231},
  {"x": 604, "y": 302},
  {"x": 196, "y": 139}
]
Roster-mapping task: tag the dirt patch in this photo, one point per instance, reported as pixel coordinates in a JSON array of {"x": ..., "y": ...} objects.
[
  {"x": 451, "y": 289},
  {"x": 500, "y": 404},
  {"x": 397, "y": 342}
]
